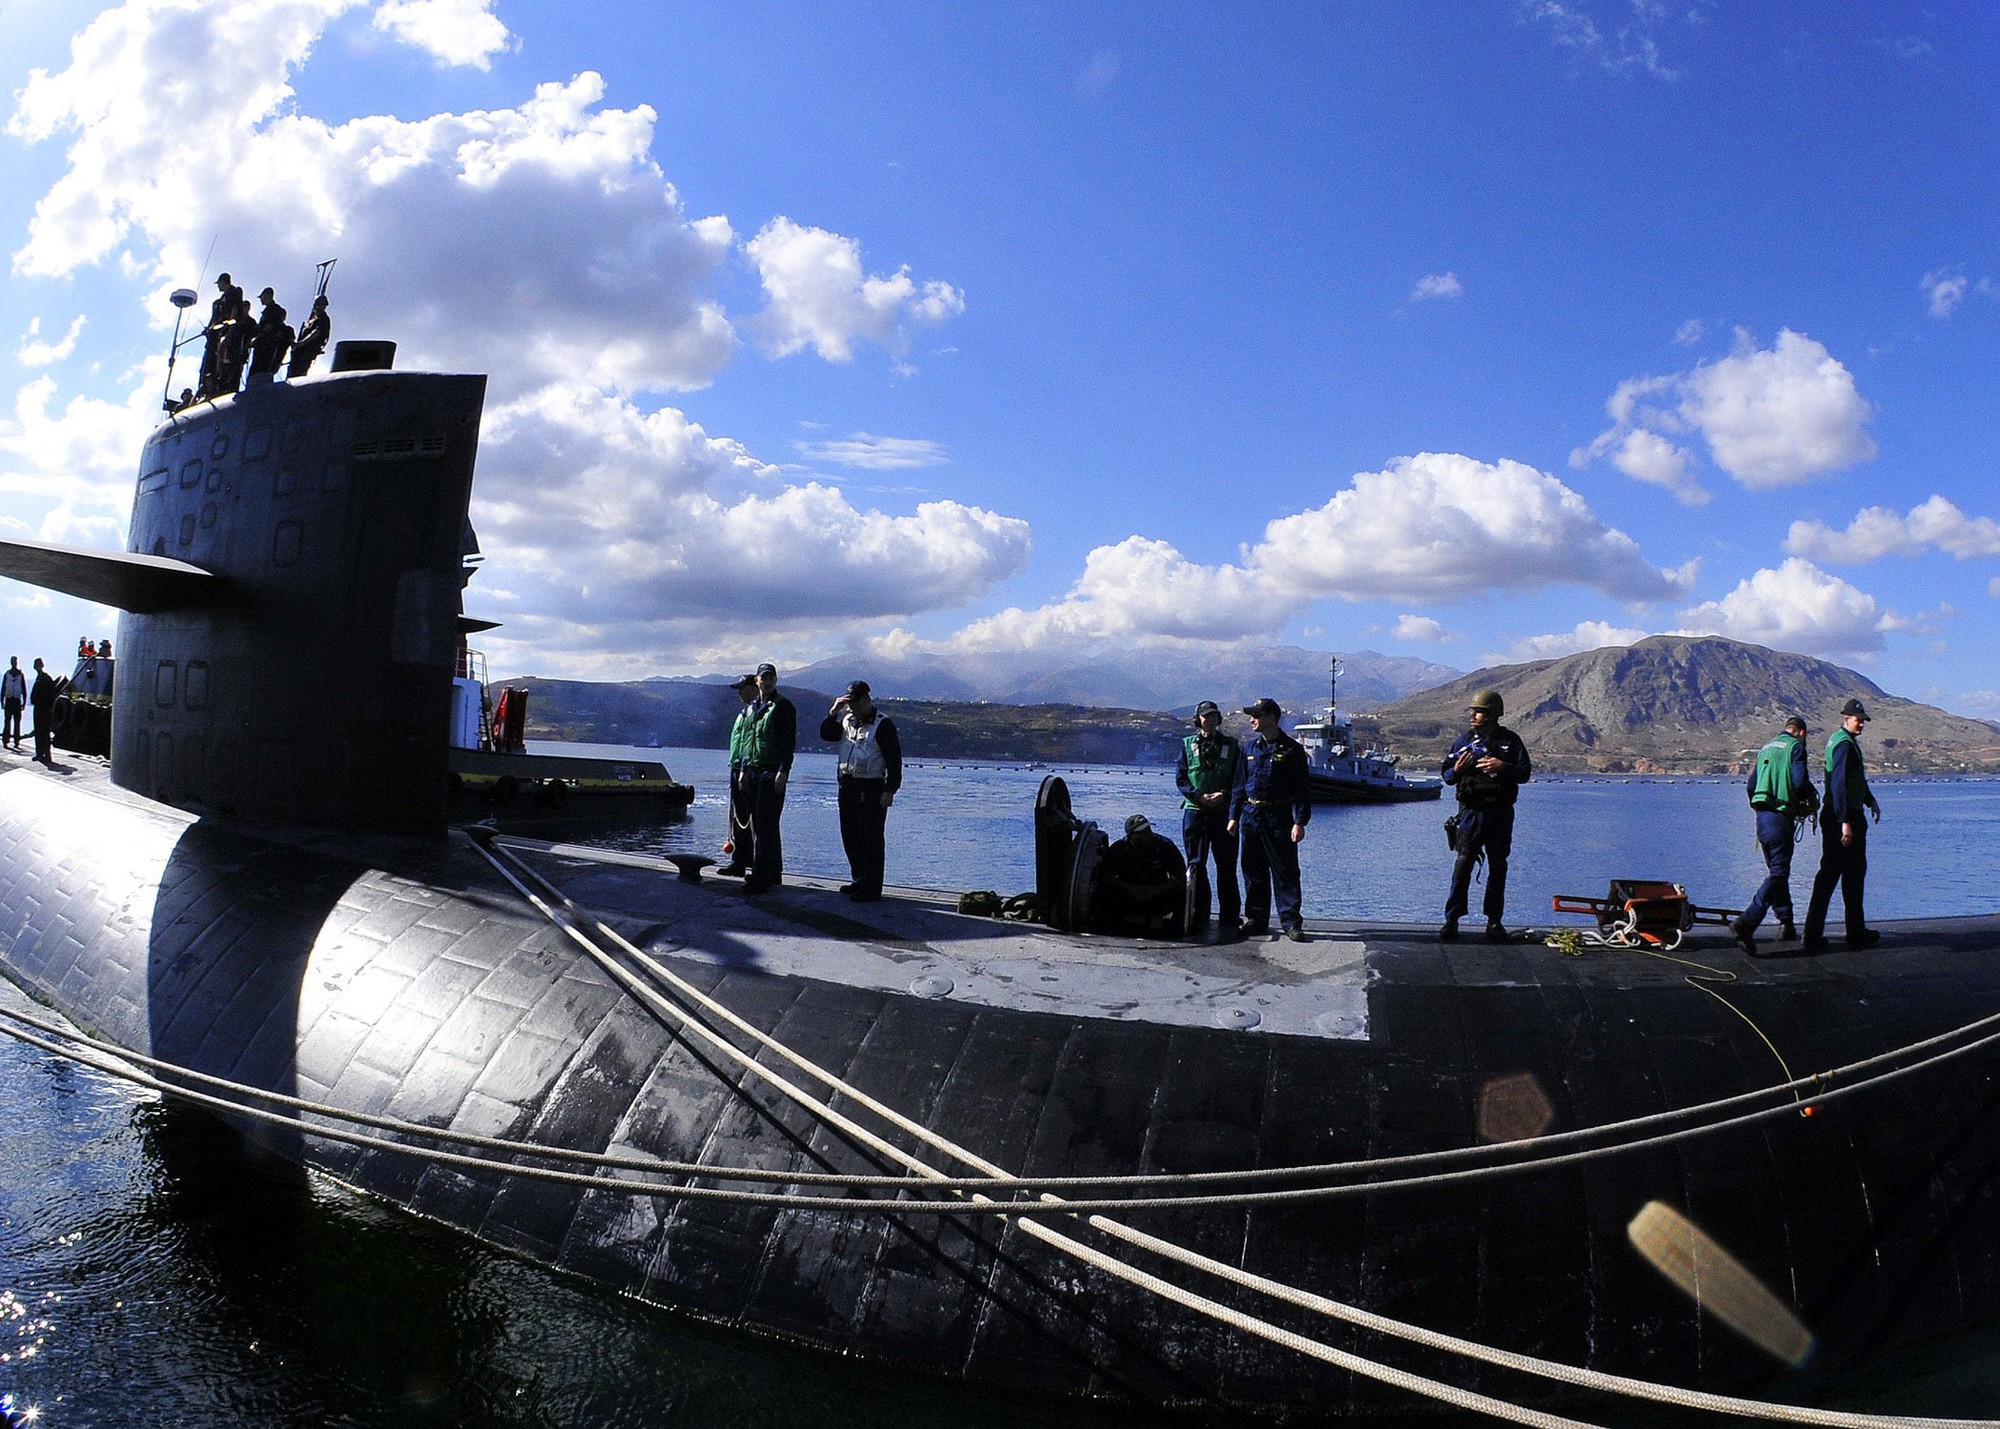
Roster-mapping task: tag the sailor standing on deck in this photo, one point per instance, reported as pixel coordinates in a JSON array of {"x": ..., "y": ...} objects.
[
  {"x": 1843, "y": 835},
  {"x": 272, "y": 336},
  {"x": 1488, "y": 765},
  {"x": 1211, "y": 766},
  {"x": 1271, "y": 808},
  {"x": 1781, "y": 792},
  {"x": 312, "y": 339},
  {"x": 742, "y": 842},
  {"x": 767, "y": 766},
  {"x": 42, "y": 695},
  {"x": 871, "y": 771},
  {"x": 13, "y": 695}
]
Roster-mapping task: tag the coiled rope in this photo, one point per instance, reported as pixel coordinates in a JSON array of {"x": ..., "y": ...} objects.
[{"x": 1705, "y": 979}]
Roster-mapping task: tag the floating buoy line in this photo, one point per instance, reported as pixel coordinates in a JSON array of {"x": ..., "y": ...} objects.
[{"x": 1028, "y": 1201}]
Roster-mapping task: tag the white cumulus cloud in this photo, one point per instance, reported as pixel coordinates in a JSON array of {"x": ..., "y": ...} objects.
[
  {"x": 455, "y": 32},
  {"x": 1423, "y": 629},
  {"x": 77, "y": 454},
  {"x": 1433, "y": 527},
  {"x": 1441, "y": 526},
  {"x": 1877, "y": 531},
  {"x": 1771, "y": 417},
  {"x": 35, "y": 351},
  {"x": 1588, "y": 635},
  {"x": 644, "y": 529},
  {"x": 819, "y": 295},
  {"x": 1438, "y": 285},
  {"x": 1799, "y": 607}
]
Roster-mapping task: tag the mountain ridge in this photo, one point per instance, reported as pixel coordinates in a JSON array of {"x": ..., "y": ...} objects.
[
  {"x": 1683, "y": 704},
  {"x": 1668, "y": 704}
]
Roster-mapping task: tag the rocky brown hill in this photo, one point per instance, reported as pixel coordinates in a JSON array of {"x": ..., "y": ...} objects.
[{"x": 1675, "y": 704}]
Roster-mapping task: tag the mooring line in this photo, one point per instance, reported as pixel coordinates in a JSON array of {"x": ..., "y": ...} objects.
[
  {"x": 1111, "y": 1265},
  {"x": 1570, "y": 1374}
]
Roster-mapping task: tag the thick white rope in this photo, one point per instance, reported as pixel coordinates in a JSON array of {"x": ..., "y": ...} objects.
[
  {"x": 1570, "y": 1374},
  {"x": 1263, "y": 1329}
]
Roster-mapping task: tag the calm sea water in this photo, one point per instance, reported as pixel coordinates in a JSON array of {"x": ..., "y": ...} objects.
[{"x": 151, "y": 1275}]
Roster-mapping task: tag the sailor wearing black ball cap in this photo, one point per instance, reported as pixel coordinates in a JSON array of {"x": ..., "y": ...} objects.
[
  {"x": 1843, "y": 833},
  {"x": 1487, "y": 766},
  {"x": 1271, "y": 809}
]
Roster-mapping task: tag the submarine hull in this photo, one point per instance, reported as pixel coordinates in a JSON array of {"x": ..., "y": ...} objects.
[{"x": 404, "y": 978}]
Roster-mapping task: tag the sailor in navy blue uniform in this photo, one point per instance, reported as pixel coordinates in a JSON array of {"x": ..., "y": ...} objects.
[
  {"x": 1843, "y": 834},
  {"x": 1487, "y": 766},
  {"x": 1271, "y": 810}
]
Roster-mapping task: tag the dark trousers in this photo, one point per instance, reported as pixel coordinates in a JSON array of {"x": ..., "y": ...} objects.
[
  {"x": 10, "y": 732},
  {"x": 767, "y": 805},
  {"x": 1775, "y": 834},
  {"x": 862, "y": 822},
  {"x": 1843, "y": 864},
  {"x": 1270, "y": 865},
  {"x": 742, "y": 837},
  {"x": 1205, "y": 832},
  {"x": 45, "y": 729},
  {"x": 1490, "y": 831}
]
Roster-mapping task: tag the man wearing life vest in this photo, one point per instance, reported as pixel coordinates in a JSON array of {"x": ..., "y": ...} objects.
[
  {"x": 1843, "y": 834},
  {"x": 1210, "y": 769},
  {"x": 1781, "y": 792},
  {"x": 767, "y": 767},
  {"x": 741, "y": 844},
  {"x": 871, "y": 771}
]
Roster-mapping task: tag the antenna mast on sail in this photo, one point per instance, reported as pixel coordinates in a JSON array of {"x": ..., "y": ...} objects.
[
  {"x": 182, "y": 299},
  {"x": 325, "y": 273}
]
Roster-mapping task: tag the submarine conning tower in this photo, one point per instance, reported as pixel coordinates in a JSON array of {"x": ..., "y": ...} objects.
[
  {"x": 314, "y": 686},
  {"x": 291, "y": 598}
]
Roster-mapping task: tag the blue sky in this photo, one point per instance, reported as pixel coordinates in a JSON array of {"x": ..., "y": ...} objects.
[{"x": 1474, "y": 330}]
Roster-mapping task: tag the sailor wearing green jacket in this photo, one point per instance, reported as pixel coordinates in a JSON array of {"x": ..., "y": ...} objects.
[
  {"x": 1781, "y": 792},
  {"x": 1843, "y": 832},
  {"x": 741, "y": 845},
  {"x": 768, "y": 745},
  {"x": 1210, "y": 770}
]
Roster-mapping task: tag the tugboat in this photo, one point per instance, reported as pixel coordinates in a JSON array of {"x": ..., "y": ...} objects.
[
  {"x": 1341, "y": 774},
  {"x": 493, "y": 778}
]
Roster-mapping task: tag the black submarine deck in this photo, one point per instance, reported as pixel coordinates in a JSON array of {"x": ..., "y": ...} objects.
[{"x": 404, "y": 977}]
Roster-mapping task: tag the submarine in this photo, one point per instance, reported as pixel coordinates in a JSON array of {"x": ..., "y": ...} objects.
[{"x": 1357, "y": 1177}]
